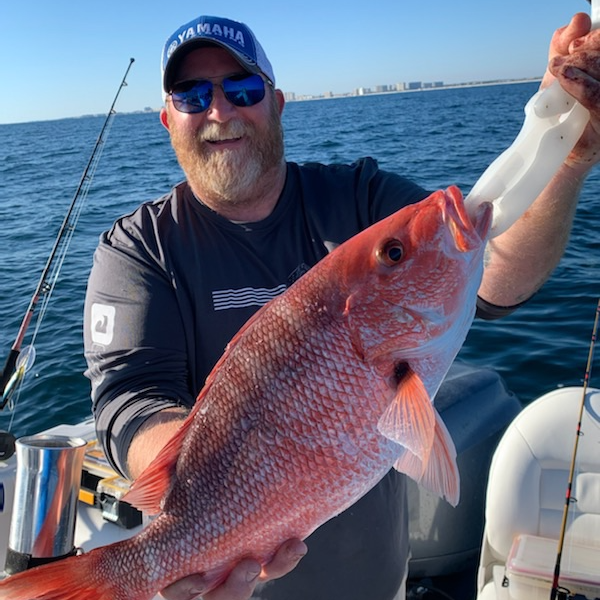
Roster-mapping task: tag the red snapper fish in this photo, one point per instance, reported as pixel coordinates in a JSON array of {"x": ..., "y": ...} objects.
[{"x": 320, "y": 393}]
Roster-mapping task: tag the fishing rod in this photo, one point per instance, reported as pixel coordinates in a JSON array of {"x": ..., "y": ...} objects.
[
  {"x": 556, "y": 589},
  {"x": 16, "y": 366},
  {"x": 595, "y": 8}
]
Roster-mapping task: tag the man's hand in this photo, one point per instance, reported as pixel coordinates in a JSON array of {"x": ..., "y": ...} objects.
[
  {"x": 574, "y": 59},
  {"x": 242, "y": 580},
  {"x": 522, "y": 258}
]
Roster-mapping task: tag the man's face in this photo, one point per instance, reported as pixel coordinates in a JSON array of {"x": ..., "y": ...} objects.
[{"x": 225, "y": 150}]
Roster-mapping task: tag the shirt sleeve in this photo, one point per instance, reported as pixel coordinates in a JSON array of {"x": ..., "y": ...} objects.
[
  {"x": 133, "y": 336},
  {"x": 489, "y": 312}
]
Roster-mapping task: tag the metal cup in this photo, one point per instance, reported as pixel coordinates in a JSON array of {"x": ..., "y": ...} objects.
[{"x": 45, "y": 504}]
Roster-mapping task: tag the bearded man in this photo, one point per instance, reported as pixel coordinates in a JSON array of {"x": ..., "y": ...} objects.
[{"x": 175, "y": 280}]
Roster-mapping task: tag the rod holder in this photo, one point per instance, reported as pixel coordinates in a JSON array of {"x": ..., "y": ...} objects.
[{"x": 45, "y": 505}]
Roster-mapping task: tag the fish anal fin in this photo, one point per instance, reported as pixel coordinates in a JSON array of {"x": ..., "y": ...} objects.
[
  {"x": 440, "y": 474},
  {"x": 150, "y": 488},
  {"x": 409, "y": 420}
]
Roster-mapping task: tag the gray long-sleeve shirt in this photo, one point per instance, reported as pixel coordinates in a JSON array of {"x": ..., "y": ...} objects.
[{"x": 170, "y": 286}]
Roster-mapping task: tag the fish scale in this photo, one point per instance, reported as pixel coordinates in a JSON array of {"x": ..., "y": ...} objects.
[{"x": 323, "y": 391}]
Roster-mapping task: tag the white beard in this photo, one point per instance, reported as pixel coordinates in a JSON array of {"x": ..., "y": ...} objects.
[{"x": 233, "y": 176}]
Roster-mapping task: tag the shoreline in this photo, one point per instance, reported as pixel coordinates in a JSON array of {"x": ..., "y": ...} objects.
[
  {"x": 430, "y": 88},
  {"x": 308, "y": 98}
]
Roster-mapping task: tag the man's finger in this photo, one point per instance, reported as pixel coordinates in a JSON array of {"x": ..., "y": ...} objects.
[
  {"x": 286, "y": 558},
  {"x": 242, "y": 580},
  {"x": 188, "y": 588},
  {"x": 580, "y": 25},
  {"x": 240, "y": 583},
  {"x": 562, "y": 43}
]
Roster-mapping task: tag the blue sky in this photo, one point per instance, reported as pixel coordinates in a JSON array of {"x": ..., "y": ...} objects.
[{"x": 64, "y": 58}]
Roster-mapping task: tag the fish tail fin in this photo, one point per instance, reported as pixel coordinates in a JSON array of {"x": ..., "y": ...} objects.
[{"x": 74, "y": 578}]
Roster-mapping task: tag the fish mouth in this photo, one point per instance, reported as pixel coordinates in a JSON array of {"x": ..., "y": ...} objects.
[{"x": 467, "y": 231}]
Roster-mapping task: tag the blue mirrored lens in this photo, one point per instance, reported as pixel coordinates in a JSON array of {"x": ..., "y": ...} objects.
[
  {"x": 196, "y": 99},
  {"x": 240, "y": 90},
  {"x": 246, "y": 91}
]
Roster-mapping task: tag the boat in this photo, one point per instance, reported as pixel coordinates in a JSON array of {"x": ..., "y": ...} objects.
[
  {"x": 445, "y": 540},
  {"x": 513, "y": 462},
  {"x": 517, "y": 510}
]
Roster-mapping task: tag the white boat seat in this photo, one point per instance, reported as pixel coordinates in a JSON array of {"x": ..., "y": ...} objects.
[{"x": 528, "y": 481}]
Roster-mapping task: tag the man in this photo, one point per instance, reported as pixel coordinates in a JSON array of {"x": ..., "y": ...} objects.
[{"x": 174, "y": 281}]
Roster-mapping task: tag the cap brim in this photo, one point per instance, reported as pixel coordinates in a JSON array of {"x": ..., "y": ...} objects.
[{"x": 184, "y": 49}]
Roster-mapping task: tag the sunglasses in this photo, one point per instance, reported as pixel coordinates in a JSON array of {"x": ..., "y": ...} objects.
[{"x": 195, "y": 96}]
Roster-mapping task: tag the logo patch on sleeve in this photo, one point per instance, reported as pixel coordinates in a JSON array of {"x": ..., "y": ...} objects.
[{"x": 102, "y": 323}]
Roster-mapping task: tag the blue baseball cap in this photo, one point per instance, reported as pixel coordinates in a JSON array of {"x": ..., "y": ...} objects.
[{"x": 233, "y": 36}]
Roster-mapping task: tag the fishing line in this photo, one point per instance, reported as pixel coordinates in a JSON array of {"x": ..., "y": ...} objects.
[
  {"x": 13, "y": 372},
  {"x": 557, "y": 591}
]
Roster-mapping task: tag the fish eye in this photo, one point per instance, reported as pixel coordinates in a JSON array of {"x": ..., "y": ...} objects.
[{"x": 390, "y": 253}]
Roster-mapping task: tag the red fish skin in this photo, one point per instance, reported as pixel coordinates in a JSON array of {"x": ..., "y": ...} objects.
[{"x": 287, "y": 432}]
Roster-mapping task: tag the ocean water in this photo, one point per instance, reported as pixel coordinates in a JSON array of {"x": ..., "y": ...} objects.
[{"x": 437, "y": 137}]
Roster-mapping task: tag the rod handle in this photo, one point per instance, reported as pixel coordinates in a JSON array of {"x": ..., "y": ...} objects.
[{"x": 7, "y": 372}]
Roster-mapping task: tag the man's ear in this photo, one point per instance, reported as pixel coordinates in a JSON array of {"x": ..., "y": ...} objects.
[
  {"x": 164, "y": 118},
  {"x": 280, "y": 99}
]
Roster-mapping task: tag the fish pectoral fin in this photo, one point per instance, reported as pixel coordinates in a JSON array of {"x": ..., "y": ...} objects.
[
  {"x": 410, "y": 418},
  {"x": 440, "y": 474},
  {"x": 149, "y": 489},
  {"x": 410, "y": 465}
]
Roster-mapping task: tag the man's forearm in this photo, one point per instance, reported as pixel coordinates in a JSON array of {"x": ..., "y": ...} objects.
[
  {"x": 521, "y": 259},
  {"x": 152, "y": 437}
]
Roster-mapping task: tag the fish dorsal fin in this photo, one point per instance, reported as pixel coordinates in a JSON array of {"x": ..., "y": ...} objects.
[
  {"x": 410, "y": 418},
  {"x": 150, "y": 488},
  {"x": 440, "y": 474}
]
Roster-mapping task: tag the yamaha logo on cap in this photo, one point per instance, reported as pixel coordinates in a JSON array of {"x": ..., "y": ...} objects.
[
  {"x": 230, "y": 33},
  {"x": 233, "y": 36}
]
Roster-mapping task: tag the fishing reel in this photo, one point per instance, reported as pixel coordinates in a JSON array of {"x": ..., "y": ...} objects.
[
  {"x": 7, "y": 445},
  {"x": 565, "y": 594}
]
